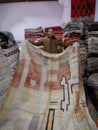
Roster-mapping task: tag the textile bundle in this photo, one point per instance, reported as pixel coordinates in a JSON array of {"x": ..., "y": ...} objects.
[
  {"x": 72, "y": 32},
  {"x": 9, "y": 55},
  {"x": 34, "y": 33},
  {"x": 47, "y": 92}
]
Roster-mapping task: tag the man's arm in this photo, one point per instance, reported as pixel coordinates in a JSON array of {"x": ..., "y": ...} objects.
[
  {"x": 62, "y": 44},
  {"x": 37, "y": 42}
]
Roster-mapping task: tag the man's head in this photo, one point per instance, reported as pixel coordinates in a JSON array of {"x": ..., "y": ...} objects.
[{"x": 50, "y": 32}]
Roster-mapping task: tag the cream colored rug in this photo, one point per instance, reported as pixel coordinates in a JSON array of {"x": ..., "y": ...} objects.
[{"x": 46, "y": 92}]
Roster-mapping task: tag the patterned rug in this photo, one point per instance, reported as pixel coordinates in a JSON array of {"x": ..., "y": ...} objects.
[{"x": 46, "y": 92}]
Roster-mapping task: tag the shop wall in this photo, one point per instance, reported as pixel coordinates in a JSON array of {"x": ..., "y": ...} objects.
[
  {"x": 15, "y": 17},
  {"x": 96, "y": 11}
]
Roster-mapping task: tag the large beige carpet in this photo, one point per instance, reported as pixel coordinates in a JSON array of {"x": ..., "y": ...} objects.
[{"x": 46, "y": 92}]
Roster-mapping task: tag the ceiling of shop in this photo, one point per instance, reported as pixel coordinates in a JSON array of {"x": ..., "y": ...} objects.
[{"x": 11, "y": 1}]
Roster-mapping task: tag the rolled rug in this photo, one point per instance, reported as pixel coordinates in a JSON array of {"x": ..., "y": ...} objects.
[{"x": 93, "y": 80}]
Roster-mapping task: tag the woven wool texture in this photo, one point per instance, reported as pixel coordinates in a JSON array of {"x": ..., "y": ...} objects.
[{"x": 46, "y": 92}]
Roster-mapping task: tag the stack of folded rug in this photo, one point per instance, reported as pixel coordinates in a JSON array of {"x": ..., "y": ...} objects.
[
  {"x": 9, "y": 55},
  {"x": 34, "y": 33}
]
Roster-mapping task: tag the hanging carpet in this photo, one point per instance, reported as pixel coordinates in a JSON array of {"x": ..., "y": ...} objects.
[{"x": 47, "y": 92}]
